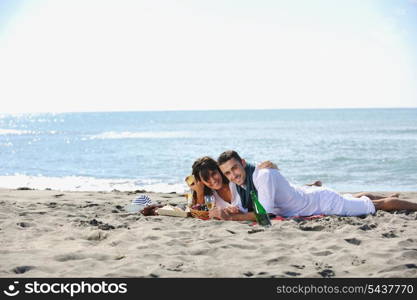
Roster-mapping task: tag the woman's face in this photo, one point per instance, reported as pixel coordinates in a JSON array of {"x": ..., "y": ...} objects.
[{"x": 214, "y": 180}]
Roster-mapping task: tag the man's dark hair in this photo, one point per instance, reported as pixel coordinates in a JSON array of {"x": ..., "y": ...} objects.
[
  {"x": 201, "y": 170},
  {"x": 228, "y": 155}
]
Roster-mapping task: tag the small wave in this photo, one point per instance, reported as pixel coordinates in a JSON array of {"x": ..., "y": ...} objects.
[
  {"x": 14, "y": 132},
  {"x": 141, "y": 135},
  {"x": 80, "y": 183}
]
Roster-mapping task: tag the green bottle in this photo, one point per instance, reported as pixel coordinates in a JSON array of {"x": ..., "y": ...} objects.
[{"x": 260, "y": 213}]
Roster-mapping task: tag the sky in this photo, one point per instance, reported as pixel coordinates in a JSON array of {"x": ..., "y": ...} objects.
[{"x": 132, "y": 55}]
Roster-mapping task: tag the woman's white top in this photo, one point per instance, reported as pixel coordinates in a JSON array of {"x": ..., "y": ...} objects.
[{"x": 236, "y": 201}]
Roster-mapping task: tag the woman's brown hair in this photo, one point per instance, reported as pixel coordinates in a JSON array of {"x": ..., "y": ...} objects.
[{"x": 201, "y": 170}]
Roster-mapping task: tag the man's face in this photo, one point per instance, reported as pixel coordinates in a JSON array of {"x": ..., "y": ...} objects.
[{"x": 234, "y": 170}]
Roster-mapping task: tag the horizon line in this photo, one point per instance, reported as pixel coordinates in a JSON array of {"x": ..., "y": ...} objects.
[{"x": 203, "y": 110}]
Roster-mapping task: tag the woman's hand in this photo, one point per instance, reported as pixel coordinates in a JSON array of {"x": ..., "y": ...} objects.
[
  {"x": 232, "y": 210},
  {"x": 197, "y": 186},
  {"x": 235, "y": 214},
  {"x": 315, "y": 183},
  {"x": 267, "y": 165},
  {"x": 218, "y": 213}
]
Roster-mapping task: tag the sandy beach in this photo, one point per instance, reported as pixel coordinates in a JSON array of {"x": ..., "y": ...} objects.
[{"x": 47, "y": 233}]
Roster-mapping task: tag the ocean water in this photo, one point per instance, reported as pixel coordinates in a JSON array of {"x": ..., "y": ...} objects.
[{"x": 347, "y": 149}]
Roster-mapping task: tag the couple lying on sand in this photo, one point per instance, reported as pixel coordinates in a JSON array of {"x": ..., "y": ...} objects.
[{"x": 230, "y": 180}]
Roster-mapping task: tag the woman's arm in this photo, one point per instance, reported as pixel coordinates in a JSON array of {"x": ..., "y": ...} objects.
[
  {"x": 198, "y": 187},
  {"x": 243, "y": 217},
  {"x": 223, "y": 214}
]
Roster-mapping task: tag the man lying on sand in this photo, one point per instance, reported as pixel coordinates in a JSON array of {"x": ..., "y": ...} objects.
[
  {"x": 210, "y": 181},
  {"x": 276, "y": 194}
]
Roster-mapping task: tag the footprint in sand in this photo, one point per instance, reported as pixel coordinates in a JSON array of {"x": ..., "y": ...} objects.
[
  {"x": 357, "y": 261},
  {"x": 408, "y": 243},
  {"x": 292, "y": 273},
  {"x": 22, "y": 269},
  {"x": 389, "y": 235},
  {"x": 179, "y": 234},
  {"x": 151, "y": 238},
  {"x": 277, "y": 260},
  {"x": 214, "y": 241},
  {"x": 24, "y": 224},
  {"x": 327, "y": 273},
  {"x": 245, "y": 247},
  {"x": 312, "y": 228},
  {"x": 204, "y": 251},
  {"x": 367, "y": 227},
  {"x": 171, "y": 243},
  {"x": 298, "y": 267},
  {"x": 353, "y": 241},
  {"x": 410, "y": 254},
  {"x": 322, "y": 253},
  {"x": 90, "y": 205},
  {"x": 256, "y": 230},
  {"x": 334, "y": 247},
  {"x": 155, "y": 257},
  {"x": 399, "y": 268},
  {"x": 68, "y": 257}
]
